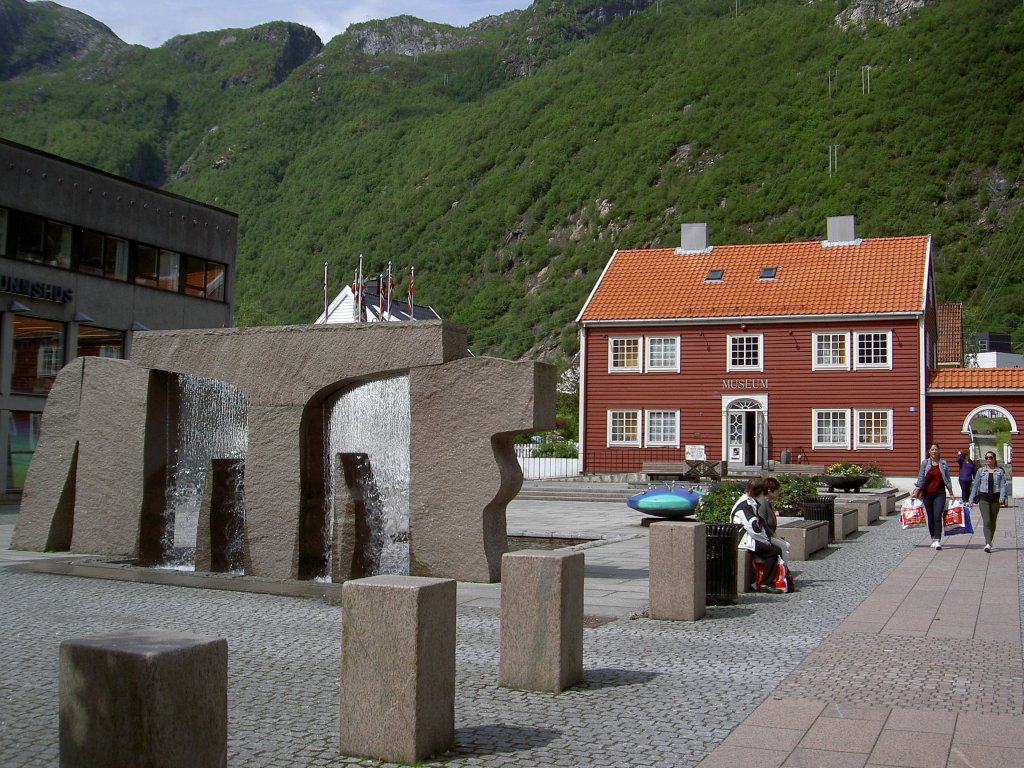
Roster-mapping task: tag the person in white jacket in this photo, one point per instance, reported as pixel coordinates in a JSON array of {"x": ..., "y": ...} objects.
[{"x": 755, "y": 534}]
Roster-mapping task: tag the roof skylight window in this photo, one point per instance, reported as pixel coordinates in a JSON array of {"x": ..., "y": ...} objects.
[
  {"x": 714, "y": 275},
  {"x": 767, "y": 273}
]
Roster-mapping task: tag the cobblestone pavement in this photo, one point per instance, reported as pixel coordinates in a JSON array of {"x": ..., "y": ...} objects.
[{"x": 655, "y": 693}]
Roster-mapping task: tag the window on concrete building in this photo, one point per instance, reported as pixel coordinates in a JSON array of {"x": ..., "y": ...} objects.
[
  {"x": 663, "y": 428},
  {"x": 22, "y": 434},
  {"x": 100, "y": 342},
  {"x": 42, "y": 241},
  {"x": 624, "y": 353},
  {"x": 831, "y": 351},
  {"x": 663, "y": 353},
  {"x": 873, "y": 349},
  {"x": 102, "y": 255},
  {"x": 831, "y": 429},
  {"x": 3, "y": 231},
  {"x": 38, "y": 354},
  {"x": 624, "y": 428},
  {"x": 204, "y": 278},
  {"x": 874, "y": 429},
  {"x": 157, "y": 268},
  {"x": 744, "y": 352}
]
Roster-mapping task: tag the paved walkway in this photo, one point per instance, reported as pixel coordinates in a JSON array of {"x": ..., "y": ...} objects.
[{"x": 889, "y": 655}]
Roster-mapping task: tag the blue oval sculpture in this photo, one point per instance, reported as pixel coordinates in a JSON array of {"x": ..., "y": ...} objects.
[{"x": 665, "y": 502}]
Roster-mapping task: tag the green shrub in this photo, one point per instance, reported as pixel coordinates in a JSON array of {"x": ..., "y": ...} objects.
[
  {"x": 558, "y": 449},
  {"x": 791, "y": 488},
  {"x": 716, "y": 505}
]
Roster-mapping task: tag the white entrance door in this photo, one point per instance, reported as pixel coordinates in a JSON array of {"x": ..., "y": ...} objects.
[{"x": 746, "y": 428}]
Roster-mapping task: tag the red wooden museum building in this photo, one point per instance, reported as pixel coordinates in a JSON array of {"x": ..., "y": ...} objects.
[{"x": 818, "y": 351}]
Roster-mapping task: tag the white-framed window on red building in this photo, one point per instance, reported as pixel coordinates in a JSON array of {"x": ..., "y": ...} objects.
[
  {"x": 624, "y": 353},
  {"x": 624, "y": 428},
  {"x": 744, "y": 352},
  {"x": 873, "y": 428},
  {"x": 663, "y": 353},
  {"x": 831, "y": 351},
  {"x": 872, "y": 349},
  {"x": 662, "y": 428},
  {"x": 831, "y": 428}
]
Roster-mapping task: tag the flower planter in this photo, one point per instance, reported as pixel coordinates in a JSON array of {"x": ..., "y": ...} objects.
[{"x": 844, "y": 483}]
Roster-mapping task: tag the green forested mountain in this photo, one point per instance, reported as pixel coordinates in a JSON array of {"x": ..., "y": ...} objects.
[{"x": 507, "y": 160}]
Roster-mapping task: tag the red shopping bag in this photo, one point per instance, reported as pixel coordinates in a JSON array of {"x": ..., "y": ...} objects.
[
  {"x": 957, "y": 519},
  {"x": 912, "y": 513},
  {"x": 783, "y": 579}
]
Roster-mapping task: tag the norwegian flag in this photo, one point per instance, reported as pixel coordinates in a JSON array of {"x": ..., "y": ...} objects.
[
  {"x": 412, "y": 274},
  {"x": 381, "y": 299}
]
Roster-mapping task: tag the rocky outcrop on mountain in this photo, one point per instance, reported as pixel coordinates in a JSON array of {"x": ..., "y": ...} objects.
[
  {"x": 406, "y": 36},
  {"x": 889, "y": 12},
  {"x": 43, "y": 35},
  {"x": 547, "y": 24},
  {"x": 298, "y": 45}
]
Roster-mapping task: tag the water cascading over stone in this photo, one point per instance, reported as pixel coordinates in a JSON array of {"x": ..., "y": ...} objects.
[
  {"x": 97, "y": 483},
  {"x": 210, "y": 422},
  {"x": 372, "y": 420}
]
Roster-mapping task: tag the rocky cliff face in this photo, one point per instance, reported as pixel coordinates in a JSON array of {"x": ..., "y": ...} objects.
[
  {"x": 546, "y": 24},
  {"x": 44, "y": 34},
  {"x": 889, "y": 12},
  {"x": 298, "y": 45},
  {"x": 406, "y": 36}
]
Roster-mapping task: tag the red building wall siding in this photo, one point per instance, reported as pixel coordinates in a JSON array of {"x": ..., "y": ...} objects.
[
  {"x": 793, "y": 390},
  {"x": 946, "y": 415}
]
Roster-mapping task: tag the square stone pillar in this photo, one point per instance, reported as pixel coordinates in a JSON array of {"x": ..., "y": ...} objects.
[
  {"x": 144, "y": 697},
  {"x": 397, "y": 667},
  {"x": 541, "y": 620},
  {"x": 678, "y": 575}
]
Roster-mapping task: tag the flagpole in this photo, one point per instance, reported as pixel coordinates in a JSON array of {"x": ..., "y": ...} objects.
[
  {"x": 409, "y": 294},
  {"x": 362, "y": 290},
  {"x": 325, "y": 292},
  {"x": 391, "y": 289}
]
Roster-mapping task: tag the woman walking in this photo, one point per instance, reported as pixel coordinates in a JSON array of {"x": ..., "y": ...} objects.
[
  {"x": 931, "y": 487},
  {"x": 989, "y": 491}
]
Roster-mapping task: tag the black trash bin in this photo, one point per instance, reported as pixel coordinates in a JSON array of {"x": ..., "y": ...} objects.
[
  {"x": 722, "y": 562},
  {"x": 821, "y": 508}
]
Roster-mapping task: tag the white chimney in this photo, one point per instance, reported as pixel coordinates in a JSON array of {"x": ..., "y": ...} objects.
[
  {"x": 842, "y": 230},
  {"x": 694, "y": 239}
]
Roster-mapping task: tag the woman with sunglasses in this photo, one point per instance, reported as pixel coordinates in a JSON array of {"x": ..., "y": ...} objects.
[{"x": 989, "y": 491}]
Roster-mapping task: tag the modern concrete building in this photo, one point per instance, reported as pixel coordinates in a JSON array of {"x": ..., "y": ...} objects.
[{"x": 86, "y": 259}]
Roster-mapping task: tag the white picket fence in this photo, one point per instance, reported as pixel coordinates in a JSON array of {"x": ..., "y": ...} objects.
[{"x": 544, "y": 467}]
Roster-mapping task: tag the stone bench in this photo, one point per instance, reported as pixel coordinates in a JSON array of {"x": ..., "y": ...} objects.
[
  {"x": 811, "y": 470},
  {"x": 846, "y": 521},
  {"x": 869, "y": 509},
  {"x": 805, "y": 537}
]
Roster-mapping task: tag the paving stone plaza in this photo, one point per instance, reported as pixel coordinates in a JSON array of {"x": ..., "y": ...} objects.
[{"x": 886, "y": 641}]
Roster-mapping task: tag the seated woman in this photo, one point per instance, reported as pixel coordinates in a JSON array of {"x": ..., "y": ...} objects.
[
  {"x": 755, "y": 533},
  {"x": 767, "y": 512}
]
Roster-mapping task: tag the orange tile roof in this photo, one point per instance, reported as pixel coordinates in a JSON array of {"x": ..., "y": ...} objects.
[
  {"x": 885, "y": 274},
  {"x": 976, "y": 378},
  {"x": 949, "y": 319}
]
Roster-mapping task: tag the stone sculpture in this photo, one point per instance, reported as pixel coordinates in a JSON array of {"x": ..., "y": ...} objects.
[{"x": 97, "y": 481}]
